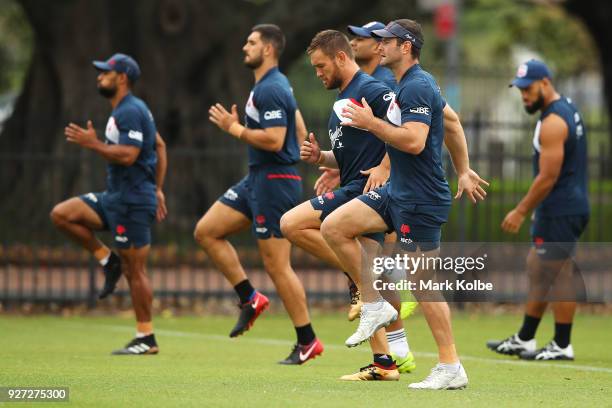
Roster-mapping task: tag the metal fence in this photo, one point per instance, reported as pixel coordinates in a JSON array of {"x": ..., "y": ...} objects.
[{"x": 38, "y": 265}]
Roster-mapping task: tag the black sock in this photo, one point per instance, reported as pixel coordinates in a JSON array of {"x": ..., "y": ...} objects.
[
  {"x": 530, "y": 325},
  {"x": 562, "y": 334},
  {"x": 305, "y": 334},
  {"x": 244, "y": 290},
  {"x": 384, "y": 360},
  {"x": 351, "y": 283}
]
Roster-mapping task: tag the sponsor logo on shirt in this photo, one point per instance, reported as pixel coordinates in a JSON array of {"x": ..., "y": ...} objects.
[
  {"x": 112, "y": 133},
  {"x": 373, "y": 195},
  {"x": 394, "y": 113},
  {"x": 275, "y": 114},
  {"x": 335, "y": 138},
  {"x": 231, "y": 195},
  {"x": 250, "y": 109},
  {"x": 421, "y": 110},
  {"x": 133, "y": 134}
]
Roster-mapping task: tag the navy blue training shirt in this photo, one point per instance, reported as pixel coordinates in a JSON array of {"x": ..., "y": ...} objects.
[
  {"x": 569, "y": 195},
  {"x": 356, "y": 149},
  {"x": 385, "y": 75},
  {"x": 131, "y": 123},
  {"x": 419, "y": 179},
  {"x": 271, "y": 104}
]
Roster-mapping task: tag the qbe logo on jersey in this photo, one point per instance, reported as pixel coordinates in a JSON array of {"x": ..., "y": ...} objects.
[
  {"x": 274, "y": 114},
  {"x": 421, "y": 110}
]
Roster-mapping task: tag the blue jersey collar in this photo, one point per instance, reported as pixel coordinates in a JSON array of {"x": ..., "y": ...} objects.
[
  {"x": 410, "y": 71},
  {"x": 269, "y": 72},
  {"x": 358, "y": 74}
]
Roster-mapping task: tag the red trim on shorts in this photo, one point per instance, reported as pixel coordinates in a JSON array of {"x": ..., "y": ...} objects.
[{"x": 283, "y": 176}]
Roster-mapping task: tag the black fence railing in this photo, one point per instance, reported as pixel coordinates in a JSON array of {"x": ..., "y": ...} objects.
[{"x": 38, "y": 265}]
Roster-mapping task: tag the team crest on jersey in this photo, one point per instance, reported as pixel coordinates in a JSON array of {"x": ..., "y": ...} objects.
[
  {"x": 340, "y": 104},
  {"x": 112, "y": 133},
  {"x": 250, "y": 109},
  {"x": 394, "y": 113},
  {"x": 336, "y": 138}
]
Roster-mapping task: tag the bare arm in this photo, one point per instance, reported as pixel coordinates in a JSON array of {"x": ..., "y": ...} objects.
[
  {"x": 409, "y": 138},
  {"x": 454, "y": 139},
  {"x": 124, "y": 155},
  {"x": 162, "y": 161},
  {"x": 553, "y": 134},
  {"x": 270, "y": 139},
  {"x": 300, "y": 128},
  {"x": 160, "y": 176}
]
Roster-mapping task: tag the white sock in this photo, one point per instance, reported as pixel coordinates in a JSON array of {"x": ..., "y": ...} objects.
[
  {"x": 104, "y": 261},
  {"x": 140, "y": 335},
  {"x": 398, "y": 343},
  {"x": 374, "y": 306},
  {"x": 452, "y": 367}
]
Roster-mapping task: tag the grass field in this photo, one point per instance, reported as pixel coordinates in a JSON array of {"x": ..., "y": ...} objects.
[{"x": 199, "y": 366}]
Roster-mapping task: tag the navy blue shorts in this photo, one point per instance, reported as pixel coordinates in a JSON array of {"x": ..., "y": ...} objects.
[
  {"x": 556, "y": 237},
  {"x": 416, "y": 225},
  {"x": 130, "y": 224},
  {"x": 264, "y": 195},
  {"x": 330, "y": 201}
]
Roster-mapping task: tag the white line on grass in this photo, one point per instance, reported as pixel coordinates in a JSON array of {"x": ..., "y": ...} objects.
[{"x": 277, "y": 342}]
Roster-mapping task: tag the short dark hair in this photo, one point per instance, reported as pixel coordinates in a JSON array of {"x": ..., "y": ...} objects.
[
  {"x": 330, "y": 42},
  {"x": 271, "y": 34},
  {"x": 414, "y": 28}
]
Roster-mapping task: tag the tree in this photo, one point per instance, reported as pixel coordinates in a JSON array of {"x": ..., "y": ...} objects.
[
  {"x": 597, "y": 16},
  {"x": 190, "y": 54}
]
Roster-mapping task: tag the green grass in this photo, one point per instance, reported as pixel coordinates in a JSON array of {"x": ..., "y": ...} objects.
[{"x": 199, "y": 366}]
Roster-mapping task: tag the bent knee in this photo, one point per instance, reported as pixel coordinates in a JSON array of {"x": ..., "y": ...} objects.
[
  {"x": 58, "y": 215},
  {"x": 288, "y": 225},
  {"x": 204, "y": 233},
  {"x": 331, "y": 230}
]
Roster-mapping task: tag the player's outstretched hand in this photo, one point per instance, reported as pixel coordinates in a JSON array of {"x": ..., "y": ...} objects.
[
  {"x": 310, "y": 152},
  {"x": 83, "y": 137},
  {"x": 358, "y": 115},
  {"x": 218, "y": 115},
  {"x": 377, "y": 177},
  {"x": 328, "y": 181},
  {"x": 470, "y": 183},
  {"x": 513, "y": 221},
  {"x": 162, "y": 211}
]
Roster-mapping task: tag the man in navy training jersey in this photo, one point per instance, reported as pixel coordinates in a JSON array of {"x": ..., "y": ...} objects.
[
  {"x": 558, "y": 197},
  {"x": 136, "y": 156},
  {"x": 416, "y": 200},
  {"x": 366, "y": 51},
  {"x": 272, "y": 186},
  {"x": 353, "y": 150}
]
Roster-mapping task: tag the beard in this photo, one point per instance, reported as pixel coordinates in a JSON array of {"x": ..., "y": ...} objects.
[
  {"x": 535, "y": 106},
  {"x": 107, "y": 92},
  {"x": 255, "y": 62},
  {"x": 334, "y": 82}
]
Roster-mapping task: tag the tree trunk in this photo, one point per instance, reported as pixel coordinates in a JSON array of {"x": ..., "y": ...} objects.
[
  {"x": 597, "y": 16},
  {"x": 190, "y": 55}
]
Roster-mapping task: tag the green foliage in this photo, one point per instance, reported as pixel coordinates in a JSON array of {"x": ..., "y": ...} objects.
[
  {"x": 16, "y": 45},
  {"x": 492, "y": 28}
]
